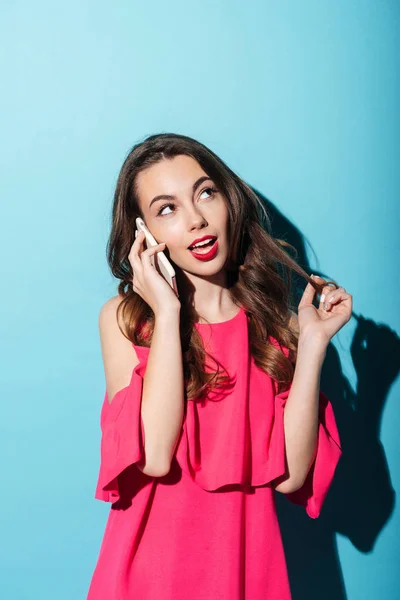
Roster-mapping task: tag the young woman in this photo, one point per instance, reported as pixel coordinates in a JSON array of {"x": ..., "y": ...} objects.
[{"x": 212, "y": 396}]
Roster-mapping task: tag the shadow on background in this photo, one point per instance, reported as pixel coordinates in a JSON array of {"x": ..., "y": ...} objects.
[{"x": 361, "y": 497}]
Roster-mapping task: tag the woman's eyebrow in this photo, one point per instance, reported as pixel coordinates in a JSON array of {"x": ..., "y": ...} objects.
[{"x": 170, "y": 197}]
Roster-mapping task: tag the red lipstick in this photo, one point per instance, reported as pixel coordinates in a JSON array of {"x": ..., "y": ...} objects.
[{"x": 201, "y": 255}]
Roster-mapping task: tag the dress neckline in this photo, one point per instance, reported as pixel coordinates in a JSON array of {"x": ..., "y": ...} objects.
[{"x": 220, "y": 323}]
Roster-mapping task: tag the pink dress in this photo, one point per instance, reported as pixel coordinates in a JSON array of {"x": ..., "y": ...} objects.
[{"x": 209, "y": 528}]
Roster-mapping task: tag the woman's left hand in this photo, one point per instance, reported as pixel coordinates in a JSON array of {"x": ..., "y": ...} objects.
[{"x": 333, "y": 313}]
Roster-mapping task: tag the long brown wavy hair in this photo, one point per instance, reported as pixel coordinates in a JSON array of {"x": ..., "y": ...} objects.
[{"x": 259, "y": 269}]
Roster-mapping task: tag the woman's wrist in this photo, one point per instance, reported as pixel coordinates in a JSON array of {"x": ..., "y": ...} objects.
[
  {"x": 314, "y": 347},
  {"x": 168, "y": 314}
]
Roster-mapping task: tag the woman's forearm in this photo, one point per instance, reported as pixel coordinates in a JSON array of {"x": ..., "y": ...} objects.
[
  {"x": 163, "y": 393},
  {"x": 301, "y": 412}
]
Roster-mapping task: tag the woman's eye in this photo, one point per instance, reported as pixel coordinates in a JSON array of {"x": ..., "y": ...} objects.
[
  {"x": 212, "y": 189},
  {"x": 162, "y": 208}
]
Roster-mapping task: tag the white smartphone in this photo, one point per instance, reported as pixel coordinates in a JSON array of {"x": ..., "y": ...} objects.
[{"x": 158, "y": 260}]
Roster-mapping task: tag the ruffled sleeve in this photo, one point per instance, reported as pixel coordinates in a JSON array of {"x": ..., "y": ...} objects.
[
  {"x": 122, "y": 440},
  {"x": 319, "y": 478}
]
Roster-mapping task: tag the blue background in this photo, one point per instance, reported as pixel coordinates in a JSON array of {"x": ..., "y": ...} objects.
[{"x": 301, "y": 100}]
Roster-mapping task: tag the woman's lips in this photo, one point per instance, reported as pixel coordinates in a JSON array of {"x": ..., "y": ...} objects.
[{"x": 206, "y": 255}]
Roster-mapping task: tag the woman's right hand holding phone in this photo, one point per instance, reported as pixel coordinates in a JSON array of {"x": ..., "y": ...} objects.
[{"x": 147, "y": 281}]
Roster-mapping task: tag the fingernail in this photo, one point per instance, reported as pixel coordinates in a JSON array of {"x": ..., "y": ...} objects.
[{"x": 322, "y": 297}]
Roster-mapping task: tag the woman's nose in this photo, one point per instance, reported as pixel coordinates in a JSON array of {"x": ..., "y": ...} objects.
[{"x": 196, "y": 219}]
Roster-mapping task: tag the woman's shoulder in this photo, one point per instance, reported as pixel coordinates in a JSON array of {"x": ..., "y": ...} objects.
[
  {"x": 108, "y": 313},
  {"x": 110, "y": 305}
]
